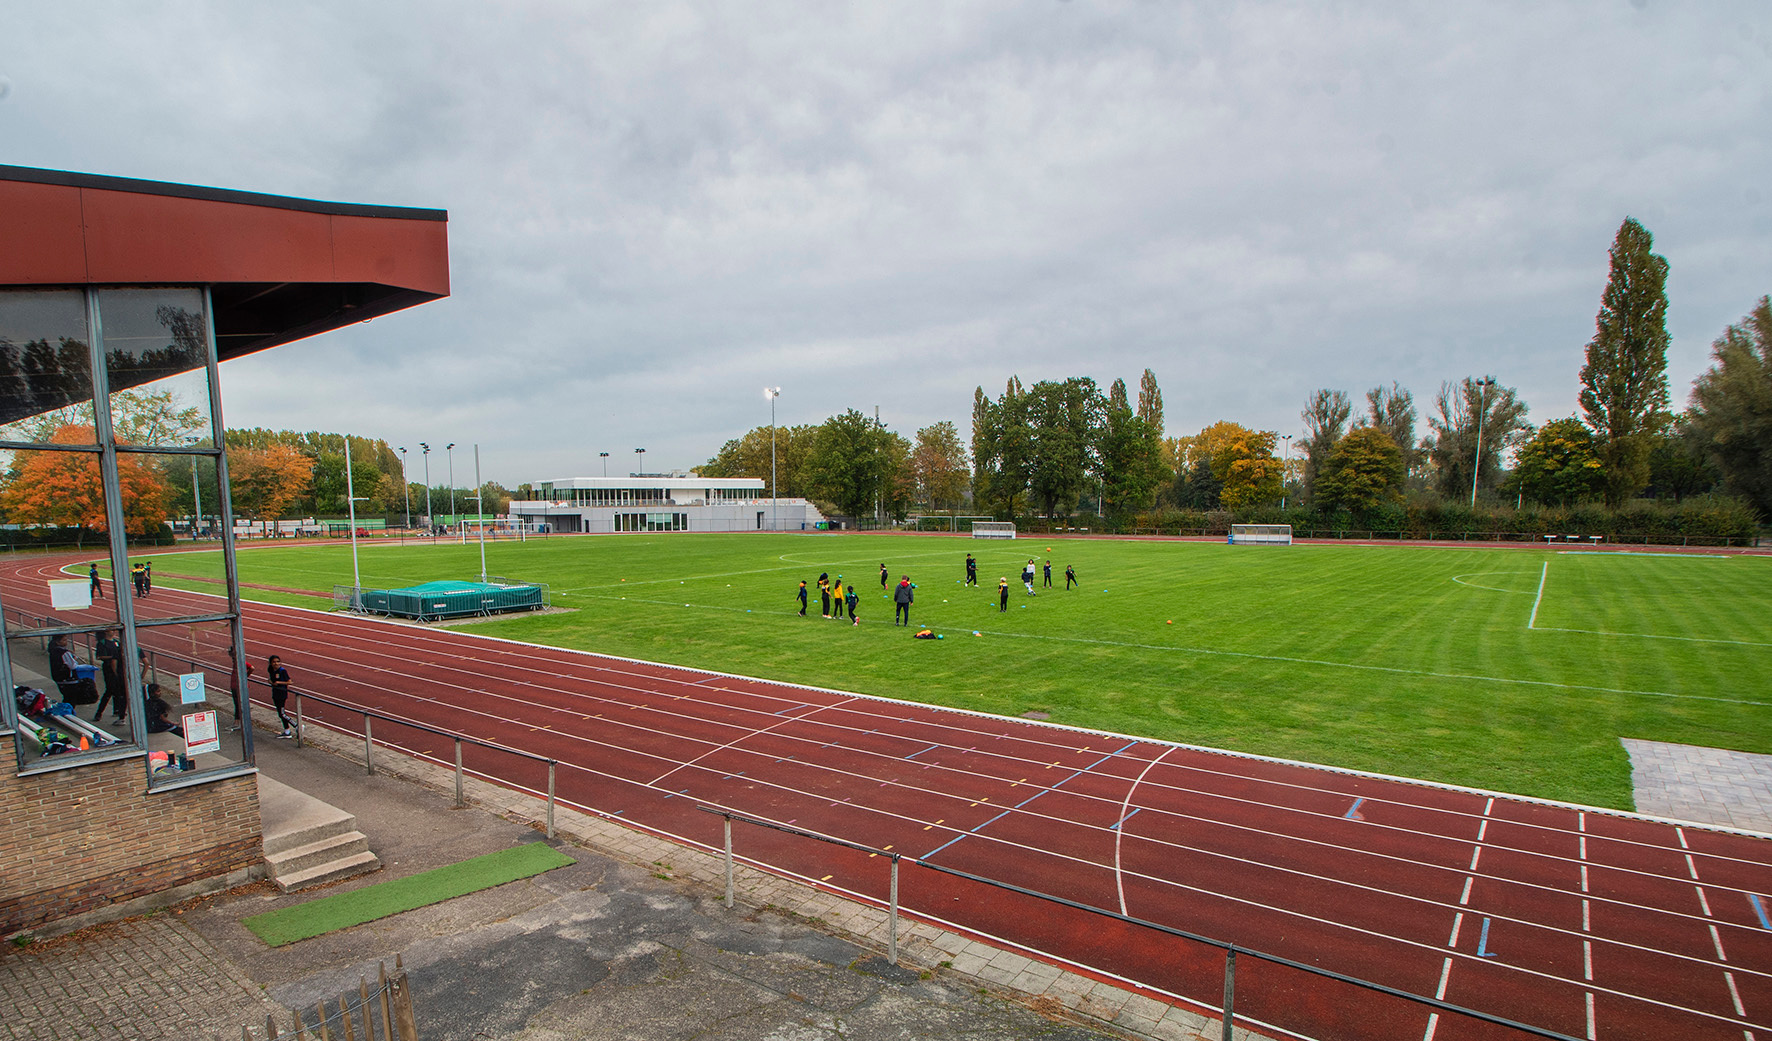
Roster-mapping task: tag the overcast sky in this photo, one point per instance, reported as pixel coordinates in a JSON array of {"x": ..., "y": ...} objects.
[{"x": 656, "y": 210}]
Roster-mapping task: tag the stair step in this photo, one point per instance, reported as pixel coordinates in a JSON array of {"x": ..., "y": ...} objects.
[
  {"x": 320, "y": 851},
  {"x": 331, "y": 871}
]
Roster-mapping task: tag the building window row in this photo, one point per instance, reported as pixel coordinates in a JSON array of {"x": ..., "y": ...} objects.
[{"x": 652, "y": 522}]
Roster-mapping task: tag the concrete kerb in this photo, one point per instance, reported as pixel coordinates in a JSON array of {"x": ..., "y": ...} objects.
[{"x": 1050, "y": 989}]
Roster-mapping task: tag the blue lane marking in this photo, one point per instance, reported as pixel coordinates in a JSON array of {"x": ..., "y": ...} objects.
[
  {"x": 1483, "y": 950},
  {"x": 1124, "y": 819},
  {"x": 1027, "y": 800},
  {"x": 914, "y": 755},
  {"x": 1754, "y": 898},
  {"x": 1353, "y": 812}
]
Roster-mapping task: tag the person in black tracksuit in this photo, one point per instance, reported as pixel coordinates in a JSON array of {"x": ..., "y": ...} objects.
[
  {"x": 1048, "y": 574},
  {"x": 279, "y": 677},
  {"x": 971, "y": 570},
  {"x": 1070, "y": 576},
  {"x": 802, "y": 596},
  {"x": 901, "y": 599},
  {"x": 824, "y": 591},
  {"x": 110, "y": 664},
  {"x": 883, "y": 578},
  {"x": 1002, "y": 594}
]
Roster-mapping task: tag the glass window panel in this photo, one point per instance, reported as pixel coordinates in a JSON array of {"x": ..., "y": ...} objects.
[
  {"x": 155, "y": 364},
  {"x": 159, "y": 499},
  {"x": 60, "y": 684},
  {"x": 45, "y": 366},
  {"x": 188, "y": 669},
  {"x": 54, "y": 501}
]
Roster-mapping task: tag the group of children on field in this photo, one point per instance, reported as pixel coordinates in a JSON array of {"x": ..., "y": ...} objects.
[{"x": 835, "y": 597}]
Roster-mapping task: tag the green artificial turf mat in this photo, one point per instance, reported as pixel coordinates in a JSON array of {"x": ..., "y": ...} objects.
[{"x": 328, "y": 914}]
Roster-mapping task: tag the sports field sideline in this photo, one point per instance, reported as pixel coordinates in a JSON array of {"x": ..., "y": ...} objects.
[{"x": 1512, "y": 669}]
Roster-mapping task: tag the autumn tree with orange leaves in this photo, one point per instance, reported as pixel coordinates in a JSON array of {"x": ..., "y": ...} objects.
[
  {"x": 63, "y": 489},
  {"x": 264, "y": 482}
]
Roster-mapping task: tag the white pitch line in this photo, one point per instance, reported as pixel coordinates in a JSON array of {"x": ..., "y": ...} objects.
[{"x": 1543, "y": 573}]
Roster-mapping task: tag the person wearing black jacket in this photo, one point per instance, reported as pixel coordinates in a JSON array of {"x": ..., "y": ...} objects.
[
  {"x": 901, "y": 599},
  {"x": 279, "y": 677}
]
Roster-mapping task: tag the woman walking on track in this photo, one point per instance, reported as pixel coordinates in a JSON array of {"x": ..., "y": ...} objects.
[{"x": 280, "y": 692}]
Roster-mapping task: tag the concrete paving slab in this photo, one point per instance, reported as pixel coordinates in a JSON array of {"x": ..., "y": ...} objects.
[{"x": 1703, "y": 785}]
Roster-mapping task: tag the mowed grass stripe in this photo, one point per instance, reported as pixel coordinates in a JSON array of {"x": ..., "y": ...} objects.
[
  {"x": 1406, "y": 660},
  {"x": 328, "y": 914}
]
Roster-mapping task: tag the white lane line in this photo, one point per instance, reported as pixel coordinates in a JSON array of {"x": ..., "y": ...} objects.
[
  {"x": 1590, "y": 1016},
  {"x": 1543, "y": 573},
  {"x": 1587, "y": 925},
  {"x": 1587, "y": 960},
  {"x": 1457, "y": 923},
  {"x": 1735, "y": 994},
  {"x": 1691, "y": 868},
  {"x": 1702, "y": 902},
  {"x": 1466, "y": 897},
  {"x": 1717, "y": 941},
  {"x": 1119, "y": 833},
  {"x": 1433, "y": 1020},
  {"x": 1476, "y": 854}
]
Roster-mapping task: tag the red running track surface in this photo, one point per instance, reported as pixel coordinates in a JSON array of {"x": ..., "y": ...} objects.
[{"x": 1592, "y": 923}]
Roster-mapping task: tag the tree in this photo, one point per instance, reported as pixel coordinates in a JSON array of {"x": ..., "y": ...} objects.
[
  {"x": 1001, "y": 448},
  {"x": 1064, "y": 420},
  {"x": 1679, "y": 461},
  {"x": 1240, "y": 462},
  {"x": 265, "y": 482},
  {"x": 1325, "y": 421},
  {"x": 1559, "y": 465},
  {"x": 1732, "y": 406},
  {"x": 1624, "y": 383},
  {"x": 748, "y": 456},
  {"x": 65, "y": 489},
  {"x": 850, "y": 464},
  {"x": 1465, "y": 409},
  {"x": 1130, "y": 449},
  {"x": 1392, "y": 410},
  {"x": 1363, "y": 470},
  {"x": 939, "y": 467}
]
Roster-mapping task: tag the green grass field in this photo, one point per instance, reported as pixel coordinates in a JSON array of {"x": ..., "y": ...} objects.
[{"x": 1406, "y": 660}]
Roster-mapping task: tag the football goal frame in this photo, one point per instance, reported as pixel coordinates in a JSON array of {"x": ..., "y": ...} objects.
[
  {"x": 993, "y": 529},
  {"x": 1261, "y": 535}
]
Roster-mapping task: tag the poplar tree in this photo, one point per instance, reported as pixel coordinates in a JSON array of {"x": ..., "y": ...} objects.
[{"x": 1624, "y": 383}]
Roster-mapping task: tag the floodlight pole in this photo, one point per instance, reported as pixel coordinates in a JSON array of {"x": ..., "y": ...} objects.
[
  {"x": 351, "y": 506},
  {"x": 641, "y": 452},
  {"x": 774, "y": 491},
  {"x": 450, "y": 448},
  {"x": 1285, "y": 469},
  {"x": 430, "y": 518},
  {"x": 1482, "y": 414},
  {"x": 406, "y": 489},
  {"x": 480, "y": 509},
  {"x": 605, "y": 458}
]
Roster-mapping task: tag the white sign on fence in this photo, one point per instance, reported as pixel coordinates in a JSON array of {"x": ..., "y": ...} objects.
[
  {"x": 70, "y": 594},
  {"x": 202, "y": 733},
  {"x": 190, "y": 688}
]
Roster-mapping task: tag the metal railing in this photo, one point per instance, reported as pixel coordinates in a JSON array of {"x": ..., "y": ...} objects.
[
  {"x": 1231, "y": 950},
  {"x": 459, "y": 739}
]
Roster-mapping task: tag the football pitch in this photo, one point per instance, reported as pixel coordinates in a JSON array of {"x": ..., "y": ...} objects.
[{"x": 1511, "y": 669}]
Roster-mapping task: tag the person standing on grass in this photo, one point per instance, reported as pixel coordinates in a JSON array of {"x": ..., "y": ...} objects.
[
  {"x": 837, "y": 596},
  {"x": 802, "y": 596},
  {"x": 98, "y": 588},
  {"x": 854, "y": 598},
  {"x": 1002, "y": 594},
  {"x": 824, "y": 591},
  {"x": 1070, "y": 577},
  {"x": 279, "y": 677},
  {"x": 1048, "y": 572},
  {"x": 1027, "y": 577},
  {"x": 901, "y": 599},
  {"x": 883, "y": 579},
  {"x": 971, "y": 570}
]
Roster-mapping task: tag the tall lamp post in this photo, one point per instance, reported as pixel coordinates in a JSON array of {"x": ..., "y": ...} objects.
[
  {"x": 406, "y": 489},
  {"x": 605, "y": 457},
  {"x": 641, "y": 452},
  {"x": 430, "y": 518},
  {"x": 480, "y": 509},
  {"x": 351, "y": 501},
  {"x": 449, "y": 449},
  {"x": 774, "y": 495},
  {"x": 1482, "y": 414},
  {"x": 1285, "y": 470}
]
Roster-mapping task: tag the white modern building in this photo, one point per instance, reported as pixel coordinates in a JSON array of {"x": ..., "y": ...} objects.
[{"x": 662, "y": 502}]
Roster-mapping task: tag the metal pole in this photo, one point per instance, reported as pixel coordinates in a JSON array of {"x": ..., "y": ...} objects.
[
  {"x": 298, "y": 719},
  {"x": 1482, "y": 414},
  {"x": 450, "y": 449},
  {"x": 430, "y": 521},
  {"x": 774, "y": 489},
  {"x": 351, "y": 500},
  {"x": 480, "y": 509},
  {"x": 728, "y": 818},
  {"x": 406, "y": 489},
  {"x": 196, "y": 501},
  {"x": 458, "y": 799},
  {"x": 368, "y": 762},
  {"x": 550, "y": 798},
  {"x": 892, "y": 916},
  {"x": 1230, "y": 990}
]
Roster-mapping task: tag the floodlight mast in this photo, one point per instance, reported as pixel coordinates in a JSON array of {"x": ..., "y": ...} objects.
[
  {"x": 351, "y": 507},
  {"x": 480, "y": 510},
  {"x": 406, "y": 489},
  {"x": 774, "y": 493},
  {"x": 605, "y": 458},
  {"x": 1482, "y": 414},
  {"x": 430, "y": 518},
  {"x": 450, "y": 448},
  {"x": 1285, "y": 468}
]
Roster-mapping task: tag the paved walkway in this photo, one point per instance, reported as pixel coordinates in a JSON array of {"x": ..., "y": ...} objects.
[{"x": 1706, "y": 785}]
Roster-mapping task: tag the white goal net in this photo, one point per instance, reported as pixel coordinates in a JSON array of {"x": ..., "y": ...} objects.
[
  {"x": 993, "y": 530},
  {"x": 1261, "y": 535}
]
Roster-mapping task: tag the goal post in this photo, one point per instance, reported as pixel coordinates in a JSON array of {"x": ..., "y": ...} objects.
[
  {"x": 993, "y": 529},
  {"x": 1261, "y": 535}
]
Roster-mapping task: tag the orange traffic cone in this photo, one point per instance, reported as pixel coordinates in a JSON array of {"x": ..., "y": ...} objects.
[{"x": 84, "y": 744}]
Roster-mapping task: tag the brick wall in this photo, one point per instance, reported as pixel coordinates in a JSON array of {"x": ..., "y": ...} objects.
[{"x": 78, "y": 839}]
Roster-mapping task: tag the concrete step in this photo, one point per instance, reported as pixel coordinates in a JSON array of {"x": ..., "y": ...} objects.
[
  {"x": 332, "y": 847},
  {"x": 291, "y": 818},
  {"x": 332, "y": 871}
]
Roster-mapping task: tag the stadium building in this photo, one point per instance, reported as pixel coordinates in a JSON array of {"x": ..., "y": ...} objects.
[{"x": 675, "y": 501}]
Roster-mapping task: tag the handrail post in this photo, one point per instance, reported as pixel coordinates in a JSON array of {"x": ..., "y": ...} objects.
[
  {"x": 458, "y": 800},
  {"x": 892, "y": 916},
  {"x": 368, "y": 760},
  {"x": 298, "y": 719},
  {"x": 551, "y": 764},
  {"x": 728, "y": 818},
  {"x": 1230, "y": 989}
]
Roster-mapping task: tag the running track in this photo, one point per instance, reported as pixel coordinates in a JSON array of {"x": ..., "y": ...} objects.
[{"x": 1594, "y": 924}]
